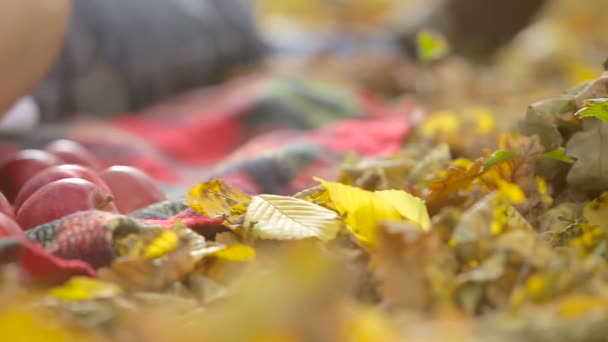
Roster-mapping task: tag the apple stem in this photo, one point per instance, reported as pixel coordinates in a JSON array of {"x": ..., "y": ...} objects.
[{"x": 104, "y": 205}]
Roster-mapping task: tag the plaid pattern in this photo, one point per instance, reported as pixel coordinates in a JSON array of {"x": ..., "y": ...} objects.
[{"x": 262, "y": 135}]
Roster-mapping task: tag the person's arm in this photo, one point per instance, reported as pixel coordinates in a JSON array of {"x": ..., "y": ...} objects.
[{"x": 31, "y": 33}]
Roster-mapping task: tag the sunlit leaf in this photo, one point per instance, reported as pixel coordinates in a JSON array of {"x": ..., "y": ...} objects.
[
  {"x": 368, "y": 325},
  {"x": 559, "y": 154},
  {"x": 409, "y": 206},
  {"x": 364, "y": 210},
  {"x": 511, "y": 192},
  {"x": 288, "y": 218},
  {"x": 431, "y": 46},
  {"x": 440, "y": 123},
  {"x": 486, "y": 123},
  {"x": 82, "y": 288},
  {"x": 237, "y": 252},
  {"x": 215, "y": 198},
  {"x": 497, "y": 157},
  {"x": 24, "y": 324},
  {"x": 597, "y": 108}
]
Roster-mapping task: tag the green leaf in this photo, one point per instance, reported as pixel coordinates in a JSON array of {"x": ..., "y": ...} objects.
[
  {"x": 559, "y": 154},
  {"x": 287, "y": 218},
  {"x": 431, "y": 46},
  {"x": 498, "y": 157},
  {"x": 597, "y": 108}
]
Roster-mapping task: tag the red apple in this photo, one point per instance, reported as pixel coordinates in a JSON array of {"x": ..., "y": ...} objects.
[
  {"x": 54, "y": 173},
  {"x": 60, "y": 198},
  {"x": 8, "y": 227},
  {"x": 19, "y": 167},
  {"x": 132, "y": 188},
  {"x": 72, "y": 152},
  {"x": 5, "y": 207}
]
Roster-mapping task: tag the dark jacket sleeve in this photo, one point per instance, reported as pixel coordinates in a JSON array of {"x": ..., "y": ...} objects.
[{"x": 121, "y": 55}]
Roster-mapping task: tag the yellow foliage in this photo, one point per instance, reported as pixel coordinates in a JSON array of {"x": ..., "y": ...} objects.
[
  {"x": 238, "y": 252},
  {"x": 18, "y": 324},
  {"x": 216, "y": 198},
  {"x": 364, "y": 210}
]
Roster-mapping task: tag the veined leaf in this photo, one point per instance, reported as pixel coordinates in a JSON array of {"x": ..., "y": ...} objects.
[
  {"x": 288, "y": 218},
  {"x": 497, "y": 157},
  {"x": 83, "y": 288},
  {"x": 216, "y": 198},
  {"x": 559, "y": 154},
  {"x": 597, "y": 108},
  {"x": 410, "y": 206}
]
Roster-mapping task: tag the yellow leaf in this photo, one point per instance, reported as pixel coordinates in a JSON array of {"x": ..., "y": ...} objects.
[
  {"x": 440, "y": 123},
  {"x": 484, "y": 120},
  {"x": 288, "y": 218},
  {"x": 215, "y": 198},
  {"x": 20, "y": 324},
  {"x": 237, "y": 252},
  {"x": 431, "y": 46},
  {"x": 148, "y": 243},
  {"x": 459, "y": 176},
  {"x": 163, "y": 244},
  {"x": 83, "y": 288},
  {"x": 363, "y": 210},
  {"x": 411, "y": 207},
  {"x": 596, "y": 211},
  {"x": 511, "y": 192},
  {"x": 368, "y": 325}
]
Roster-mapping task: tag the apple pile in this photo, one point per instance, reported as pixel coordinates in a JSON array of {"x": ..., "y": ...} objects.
[{"x": 39, "y": 186}]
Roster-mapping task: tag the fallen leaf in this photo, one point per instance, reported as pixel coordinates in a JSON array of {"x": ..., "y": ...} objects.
[
  {"x": 590, "y": 170},
  {"x": 83, "y": 288},
  {"x": 288, "y": 218},
  {"x": 597, "y": 108},
  {"x": 596, "y": 211},
  {"x": 238, "y": 252},
  {"x": 498, "y": 157},
  {"x": 456, "y": 178},
  {"x": 404, "y": 255},
  {"x": 542, "y": 119},
  {"x": 431, "y": 46},
  {"x": 216, "y": 198},
  {"x": 409, "y": 206},
  {"x": 559, "y": 154}
]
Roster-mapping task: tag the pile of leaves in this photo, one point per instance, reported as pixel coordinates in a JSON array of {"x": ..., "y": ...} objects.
[{"x": 444, "y": 240}]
